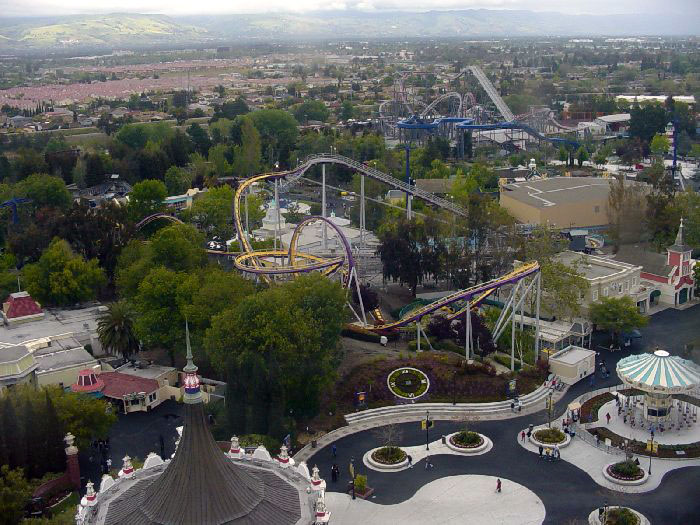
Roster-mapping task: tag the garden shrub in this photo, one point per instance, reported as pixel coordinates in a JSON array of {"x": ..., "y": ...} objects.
[
  {"x": 627, "y": 469},
  {"x": 550, "y": 435},
  {"x": 621, "y": 516},
  {"x": 505, "y": 361},
  {"x": 361, "y": 483},
  {"x": 467, "y": 438},
  {"x": 359, "y": 333},
  {"x": 389, "y": 455}
]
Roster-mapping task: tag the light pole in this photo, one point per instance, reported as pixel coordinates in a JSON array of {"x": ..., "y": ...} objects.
[
  {"x": 427, "y": 429},
  {"x": 549, "y": 409},
  {"x": 651, "y": 450}
]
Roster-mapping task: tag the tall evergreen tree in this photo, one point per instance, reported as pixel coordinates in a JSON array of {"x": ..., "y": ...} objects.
[
  {"x": 54, "y": 432},
  {"x": 14, "y": 436},
  {"x": 236, "y": 400},
  {"x": 34, "y": 465}
]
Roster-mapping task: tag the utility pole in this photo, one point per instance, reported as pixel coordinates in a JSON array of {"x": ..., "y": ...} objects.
[
  {"x": 362, "y": 211},
  {"x": 323, "y": 206}
]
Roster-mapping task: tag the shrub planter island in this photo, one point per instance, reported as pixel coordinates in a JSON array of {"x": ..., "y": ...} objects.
[
  {"x": 362, "y": 490},
  {"x": 625, "y": 473},
  {"x": 617, "y": 516},
  {"x": 468, "y": 442},
  {"x": 548, "y": 437},
  {"x": 386, "y": 458}
]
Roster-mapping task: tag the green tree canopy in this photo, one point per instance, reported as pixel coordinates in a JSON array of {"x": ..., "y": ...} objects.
[
  {"x": 212, "y": 212},
  {"x": 61, "y": 277},
  {"x": 311, "y": 110},
  {"x": 44, "y": 190},
  {"x": 177, "y": 180},
  {"x": 14, "y": 495},
  {"x": 278, "y": 132},
  {"x": 247, "y": 155},
  {"x": 617, "y": 315},
  {"x": 660, "y": 144},
  {"x": 115, "y": 329},
  {"x": 133, "y": 135},
  {"x": 146, "y": 198}
]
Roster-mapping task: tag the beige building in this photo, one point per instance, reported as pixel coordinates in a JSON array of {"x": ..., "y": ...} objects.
[
  {"x": 608, "y": 278},
  {"x": 561, "y": 202},
  {"x": 572, "y": 364}
]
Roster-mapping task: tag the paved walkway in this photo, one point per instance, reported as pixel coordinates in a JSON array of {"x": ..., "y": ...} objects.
[
  {"x": 446, "y": 501},
  {"x": 592, "y": 461},
  {"x": 640, "y": 432}
]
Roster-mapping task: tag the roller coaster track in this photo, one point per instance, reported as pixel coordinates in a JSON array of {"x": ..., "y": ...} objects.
[
  {"x": 327, "y": 158},
  {"x": 479, "y": 291},
  {"x": 442, "y": 98},
  {"x": 519, "y": 126},
  {"x": 492, "y": 93}
]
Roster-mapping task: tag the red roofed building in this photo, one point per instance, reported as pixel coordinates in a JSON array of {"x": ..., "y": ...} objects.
[
  {"x": 136, "y": 394},
  {"x": 20, "y": 307}
]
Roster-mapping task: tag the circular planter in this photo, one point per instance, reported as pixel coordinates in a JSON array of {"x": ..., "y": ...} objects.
[
  {"x": 368, "y": 460},
  {"x": 476, "y": 449},
  {"x": 594, "y": 519},
  {"x": 607, "y": 473},
  {"x": 408, "y": 383},
  {"x": 537, "y": 443}
]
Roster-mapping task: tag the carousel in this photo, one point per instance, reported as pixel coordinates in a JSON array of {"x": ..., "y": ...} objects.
[{"x": 660, "y": 376}]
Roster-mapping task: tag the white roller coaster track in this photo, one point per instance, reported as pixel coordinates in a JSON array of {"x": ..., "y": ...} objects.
[
  {"x": 441, "y": 98},
  {"x": 326, "y": 158}
]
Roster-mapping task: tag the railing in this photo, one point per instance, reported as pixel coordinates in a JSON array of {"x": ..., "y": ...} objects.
[
  {"x": 373, "y": 173},
  {"x": 492, "y": 93}
]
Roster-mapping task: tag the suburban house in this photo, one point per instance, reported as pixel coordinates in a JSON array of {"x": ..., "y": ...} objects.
[{"x": 669, "y": 276}]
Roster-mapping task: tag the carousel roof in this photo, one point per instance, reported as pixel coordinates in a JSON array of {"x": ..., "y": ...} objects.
[{"x": 659, "y": 372}]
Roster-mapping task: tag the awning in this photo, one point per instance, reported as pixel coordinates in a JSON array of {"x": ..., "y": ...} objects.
[{"x": 655, "y": 293}]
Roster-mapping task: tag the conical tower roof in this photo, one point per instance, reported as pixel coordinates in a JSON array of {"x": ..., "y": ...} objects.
[
  {"x": 680, "y": 245},
  {"x": 202, "y": 486}
]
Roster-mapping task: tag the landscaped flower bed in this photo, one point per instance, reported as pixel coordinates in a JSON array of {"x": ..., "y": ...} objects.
[
  {"x": 550, "y": 436},
  {"x": 389, "y": 455},
  {"x": 408, "y": 383},
  {"x": 625, "y": 471},
  {"x": 466, "y": 439}
]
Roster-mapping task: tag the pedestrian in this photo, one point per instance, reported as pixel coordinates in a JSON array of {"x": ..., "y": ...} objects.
[
  {"x": 530, "y": 427},
  {"x": 522, "y": 436},
  {"x": 428, "y": 464},
  {"x": 541, "y": 449},
  {"x": 512, "y": 406},
  {"x": 556, "y": 452},
  {"x": 607, "y": 416},
  {"x": 410, "y": 460},
  {"x": 335, "y": 471},
  {"x": 334, "y": 449},
  {"x": 498, "y": 485},
  {"x": 597, "y": 440}
]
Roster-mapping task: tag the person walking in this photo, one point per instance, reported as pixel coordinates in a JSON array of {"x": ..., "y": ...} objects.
[
  {"x": 334, "y": 450},
  {"x": 607, "y": 417},
  {"x": 335, "y": 472},
  {"x": 541, "y": 450},
  {"x": 522, "y": 436},
  {"x": 498, "y": 485},
  {"x": 428, "y": 464}
]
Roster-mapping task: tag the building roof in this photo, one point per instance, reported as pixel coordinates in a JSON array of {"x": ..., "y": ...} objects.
[
  {"x": 144, "y": 370},
  {"x": 651, "y": 262},
  {"x": 572, "y": 355},
  {"x": 680, "y": 245},
  {"x": 592, "y": 267},
  {"x": 51, "y": 359},
  {"x": 15, "y": 362},
  {"x": 659, "y": 372},
  {"x": 117, "y": 384},
  {"x": 556, "y": 191},
  {"x": 617, "y": 117},
  {"x": 21, "y": 304}
]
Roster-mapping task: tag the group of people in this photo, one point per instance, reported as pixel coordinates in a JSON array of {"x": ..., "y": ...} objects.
[{"x": 550, "y": 453}]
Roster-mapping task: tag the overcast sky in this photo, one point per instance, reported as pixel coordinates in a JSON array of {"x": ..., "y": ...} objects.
[{"x": 180, "y": 7}]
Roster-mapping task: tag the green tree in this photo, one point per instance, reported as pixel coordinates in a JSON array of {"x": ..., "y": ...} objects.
[
  {"x": 230, "y": 110},
  {"x": 212, "y": 212},
  {"x": 177, "y": 180},
  {"x": 115, "y": 329},
  {"x": 146, "y": 198},
  {"x": 311, "y": 110},
  {"x": 133, "y": 135},
  {"x": 159, "y": 322},
  {"x": 219, "y": 159},
  {"x": 660, "y": 145},
  {"x": 86, "y": 417},
  {"x": 28, "y": 161},
  {"x": 278, "y": 132},
  {"x": 247, "y": 155},
  {"x": 200, "y": 138},
  {"x": 581, "y": 155},
  {"x": 61, "y": 277},
  {"x": 14, "y": 495},
  {"x": 616, "y": 315},
  {"x": 178, "y": 247},
  {"x": 44, "y": 190},
  {"x": 347, "y": 110}
]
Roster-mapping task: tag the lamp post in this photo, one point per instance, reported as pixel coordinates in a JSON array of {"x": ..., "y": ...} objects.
[
  {"x": 427, "y": 429},
  {"x": 549, "y": 409},
  {"x": 352, "y": 475},
  {"x": 651, "y": 451}
]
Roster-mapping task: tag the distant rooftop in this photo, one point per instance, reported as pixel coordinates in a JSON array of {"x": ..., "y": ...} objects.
[
  {"x": 55, "y": 322},
  {"x": 592, "y": 267},
  {"x": 146, "y": 371},
  {"x": 558, "y": 190}
]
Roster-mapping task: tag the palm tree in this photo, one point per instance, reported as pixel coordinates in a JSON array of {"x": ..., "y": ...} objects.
[{"x": 115, "y": 329}]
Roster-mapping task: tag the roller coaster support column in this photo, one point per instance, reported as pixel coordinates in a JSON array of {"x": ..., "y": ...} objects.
[
  {"x": 418, "y": 335},
  {"x": 468, "y": 334},
  {"x": 512, "y": 339},
  {"x": 247, "y": 226},
  {"x": 408, "y": 179},
  {"x": 362, "y": 211},
  {"x": 323, "y": 205},
  {"x": 277, "y": 222},
  {"x": 537, "y": 318}
]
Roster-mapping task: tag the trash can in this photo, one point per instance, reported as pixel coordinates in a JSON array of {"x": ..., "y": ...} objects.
[{"x": 444, "y": 440}]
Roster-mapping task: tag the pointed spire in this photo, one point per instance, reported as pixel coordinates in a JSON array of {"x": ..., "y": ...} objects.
[
  {"x": 679, "y": 245},
  {"x": 190, "y": 367},
  {"x": 193, "y": 394},
  {"x": 679, "y": 236}
]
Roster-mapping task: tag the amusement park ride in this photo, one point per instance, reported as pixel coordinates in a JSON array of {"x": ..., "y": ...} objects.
[{"x": 452, "y": 114}]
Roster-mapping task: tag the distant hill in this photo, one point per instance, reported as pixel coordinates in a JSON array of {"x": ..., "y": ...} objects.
[
  {"x": 118, "y": 30},
  {"x": 141, "y": 30}
]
